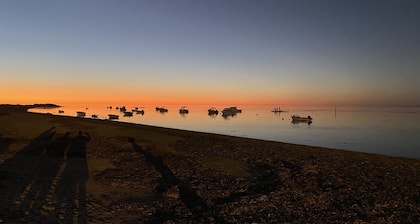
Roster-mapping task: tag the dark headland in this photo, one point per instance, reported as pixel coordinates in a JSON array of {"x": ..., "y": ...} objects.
[{"x": 57, "y": 169}]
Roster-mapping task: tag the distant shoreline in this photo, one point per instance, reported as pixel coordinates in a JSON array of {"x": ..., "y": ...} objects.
[
  {"x": 46, "y": 105},
  {"x": 23, "y": 108}
]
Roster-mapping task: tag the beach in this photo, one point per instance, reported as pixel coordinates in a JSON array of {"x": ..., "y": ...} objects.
[{"x": 58, "y": 169}]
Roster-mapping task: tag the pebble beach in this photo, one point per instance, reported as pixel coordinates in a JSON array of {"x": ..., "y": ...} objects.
[{"x": 132, "y": 173}]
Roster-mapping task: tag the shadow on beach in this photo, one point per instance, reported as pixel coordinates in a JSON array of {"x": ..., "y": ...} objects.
[
  {"x": 42, "y": 185},
  {"x": 5, "y": 143},
  {"x": 71, "y": 187},
  {"x": 263, "y": 180},
  {"x": 189, "y": 197}
]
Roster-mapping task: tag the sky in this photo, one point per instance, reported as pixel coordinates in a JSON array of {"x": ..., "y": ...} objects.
[{"x": 297, "y": 52}]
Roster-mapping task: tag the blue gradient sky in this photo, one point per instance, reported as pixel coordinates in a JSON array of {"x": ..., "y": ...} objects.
[{"x": 272, "y": 52}]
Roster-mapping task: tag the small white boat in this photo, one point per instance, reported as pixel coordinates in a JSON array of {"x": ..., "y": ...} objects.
[
  {"x": 299, "y": 119},
  {"x": 113, "y": 116},
  {"x": 183, "y": 110},
  {"x": 230, "y": 111},
  {"x": 81, "y": 114}
]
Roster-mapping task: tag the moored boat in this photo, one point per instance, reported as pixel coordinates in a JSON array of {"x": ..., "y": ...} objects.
[
  {"x": 297, "y": 118},
  {"x": 213, "y": 111},
  {"x": 128, "y": 114},
  {"x": 113, "y": 116},
  {"x": 81, "y": 114},
  {"x": 137, "y": 111},
  {"x": 278, "y": 110},
  {"x": 161, "y": 109},
  {"x": 230, "y": 111},
  {"x": 183, "y": 110},
  {"x": 95, "y": 116}
]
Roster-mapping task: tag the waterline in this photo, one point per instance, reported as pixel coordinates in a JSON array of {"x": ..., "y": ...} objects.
[{"x": 389, "y": 131}]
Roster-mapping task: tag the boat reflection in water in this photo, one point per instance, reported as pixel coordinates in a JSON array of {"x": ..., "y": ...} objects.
[
  {"x": 350, "y": 128},
  {"x": 230, "y": 111}
]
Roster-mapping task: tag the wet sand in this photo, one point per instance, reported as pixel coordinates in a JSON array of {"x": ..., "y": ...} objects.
[{"x": 128, "y": 173}]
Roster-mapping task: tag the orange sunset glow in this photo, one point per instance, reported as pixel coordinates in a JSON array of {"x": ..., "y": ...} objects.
[
  {"x": 248, "y": 54},
  {"x": 209, "y": 111}
]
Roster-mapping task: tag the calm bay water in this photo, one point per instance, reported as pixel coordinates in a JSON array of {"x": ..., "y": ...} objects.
[{"x": 391, "y": 131}]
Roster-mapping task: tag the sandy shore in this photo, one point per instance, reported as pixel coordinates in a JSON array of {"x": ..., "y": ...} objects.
[{"x": 126, "y": 173}]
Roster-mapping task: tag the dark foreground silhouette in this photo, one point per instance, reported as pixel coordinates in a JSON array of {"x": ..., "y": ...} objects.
[
  {"x": 41, "y": 175},
  {"x": 263, "y": 180},
  {"x": 168, "y": 179}
]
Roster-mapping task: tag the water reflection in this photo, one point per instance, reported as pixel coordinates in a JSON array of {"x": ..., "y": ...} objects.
[
  {"x": 346, "y": 128},
  {"x": 301, "y": 122},
  {"x": 228, "y": 116}
]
